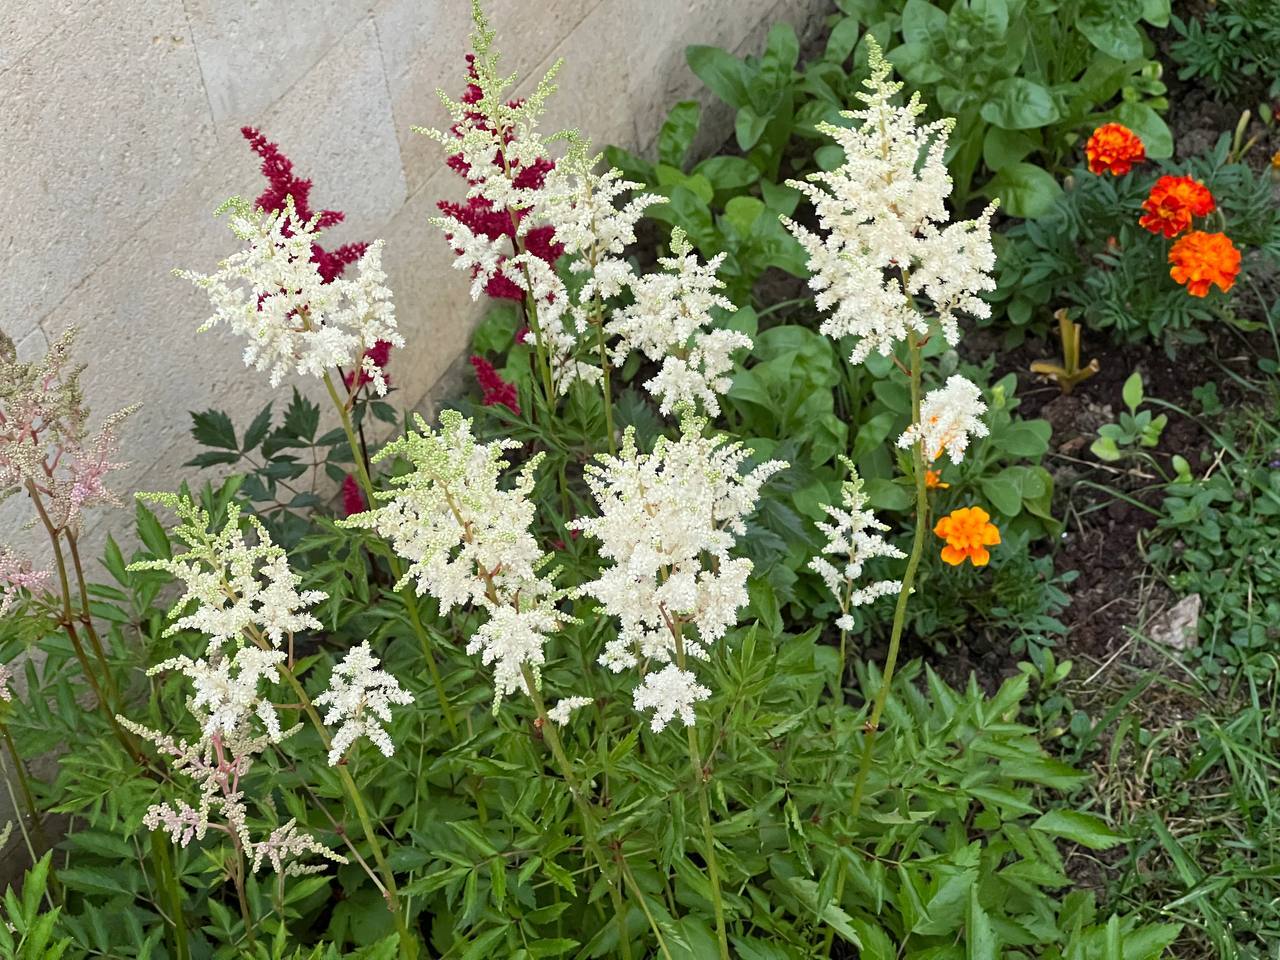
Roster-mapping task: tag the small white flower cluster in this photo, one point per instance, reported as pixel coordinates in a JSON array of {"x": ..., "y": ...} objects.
[
  {"x": 285, "y": 846},
  {"x": 468, "y": 542},
  {"x": 854, "y": 537},
  {"x": 667, "y": 523},
  {"x": 882, "y": 212},
  {"x": 360, "y": 697},
  {"x": 6, "y": 678},
  {"x": 272, "y": 292},
  {"x": 670, "y": 320},
  {"x": 563, "y": 710},
  {"x": 949, "y": 415},
  {"x": 234, "y": 589},
  {"x": 226, "y": 690}
]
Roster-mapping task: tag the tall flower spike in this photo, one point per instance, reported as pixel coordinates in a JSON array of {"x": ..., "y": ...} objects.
[
  {"x": 949, "y": 416},
  {"x": 854, "y": 538},
  {"x": 45, "y": 441},
  {"x": 233, "y": 588},
  {"x": 274, "y": 294},
  {"x": 667, "y": 523},
  {"x": 468, "y": 543},
  {"x": 226, "y": 690},
  {"x": 882, "y": 215}
]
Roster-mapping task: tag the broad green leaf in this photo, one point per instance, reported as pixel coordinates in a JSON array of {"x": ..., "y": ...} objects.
[
  {"x": 1016, "y": 103},
  {"x": 1148, "y": 125},
  {"x": 1132, "y": 392},
  {"x": 1025, "y": 190},
  {"x": 724, "y": 74}
]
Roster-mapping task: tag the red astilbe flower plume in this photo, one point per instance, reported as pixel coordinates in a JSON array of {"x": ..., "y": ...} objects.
[
  {"x": 353, "y": 501},
  {"x": 483, "y": 219},
  {"x": 496, "y": 390},
  {"x": 282, "y": 182}
]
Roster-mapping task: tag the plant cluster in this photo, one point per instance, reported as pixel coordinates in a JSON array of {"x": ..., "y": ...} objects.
[
  {"x": 1233, "y": 47},
  {"x": 533, "y": 692},
  {"x": 1143, "y": 253}
]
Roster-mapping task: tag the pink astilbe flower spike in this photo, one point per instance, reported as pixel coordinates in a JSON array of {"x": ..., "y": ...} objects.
[
  {"x": 353, "y": 500},
  {"x": 16, "y": 574},
  {"x": 46, "y": 448}
]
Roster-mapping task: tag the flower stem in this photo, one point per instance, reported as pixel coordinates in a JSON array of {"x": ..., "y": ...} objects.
[
  {"x": 24, "y": 787},
  {"x": 606, "y": 387},
  {"x": 899, "y": 622},
  {"x": 406, "y": 592},
  {"x": 168, "y": 881},
  {"x": 589, "y": 824},
  {"x": 704, "y": 806},
  {"x": 408, "y": 945}
]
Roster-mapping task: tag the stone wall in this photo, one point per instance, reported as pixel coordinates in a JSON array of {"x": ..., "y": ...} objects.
[{"x": 121, "y": 136}]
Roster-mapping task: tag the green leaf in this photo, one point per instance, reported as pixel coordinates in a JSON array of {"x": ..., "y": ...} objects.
[
  {"x": 749, "y": 127},
  {"x": 724, "y": 74},
  {"x": 728, "y": 173},
  {"x": 257, "y": 431},
  {"x": 1025, "y": 190},
  {"x": 1112, "y": 33},
  {"x": 1024, "y": 438},
  {"x": 678, "y": 131},
  {"x": 981, "y": 942},
  {"x": 1156, "y": 12},
  {"x": 843, "y": 38},
  {"x": 923, "y": 23},
  {"x": 1105, "y": 449},
  {"x": 1004, "y": 493},
  {"x": 152, "y": 533},
  {"x": 1082, "y": 828},
  {"x": 1132, "y": 392},
  {"x": 213, "y": 428},
  {"x": 1147, "y": 124},
  {"x": 1002, "y": 148},
  {"x": 1019, "y": 104}
]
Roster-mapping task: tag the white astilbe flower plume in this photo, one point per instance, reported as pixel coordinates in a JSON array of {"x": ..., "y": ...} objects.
[
  {"x": 563, "y": 710},
  {"x": 226, "y": 689},
  {"x": 667, "y": 523},
  {"x": 468, "y": 542},
  {"x": 360, "y": 697},
  {"x": 670, "y": 693},
  {"x": 949, "y": 416},
  {"x": 853, "y": 537},
  {"x": 670, "y": 323},
  {"x": 234, "y": 590},
  {"x": 6, "y": 678},
  {"x": 273, "y": 294},
  {"x": 883, "y": 239}
]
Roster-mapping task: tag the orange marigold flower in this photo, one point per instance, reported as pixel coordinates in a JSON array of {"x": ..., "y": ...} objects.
[
  {"x": 968, "y": 532},
  {"x": 1201, "y": 260},
  {"x": 1173, "y": 202},
  {"x": 1114, "y": 149},
  {"x": 933, "y": 480}
]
